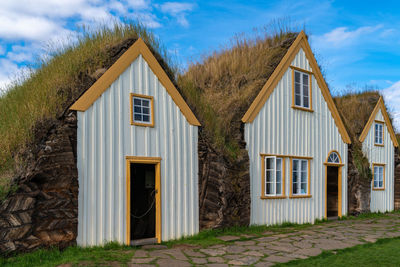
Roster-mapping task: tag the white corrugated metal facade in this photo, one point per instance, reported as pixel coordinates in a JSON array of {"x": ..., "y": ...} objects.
[
  {"x": 106, "y": 137},
  {"x": 280, "y": 129},
  {"x": 381, "y": 200}
]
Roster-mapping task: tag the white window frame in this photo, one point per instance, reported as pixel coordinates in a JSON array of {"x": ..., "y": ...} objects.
[
  {"x": 150, "y": 106},
  {"x": 275, "y": 171},
  {"x": 378, "y": 133},
  {"x": 379, "y": 176},
  {"x": 298, "y": 173},
  {"x": 302, "y": 85}
]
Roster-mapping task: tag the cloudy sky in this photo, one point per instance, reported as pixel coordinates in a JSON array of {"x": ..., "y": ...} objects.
[{"x": 356, "y": 42}]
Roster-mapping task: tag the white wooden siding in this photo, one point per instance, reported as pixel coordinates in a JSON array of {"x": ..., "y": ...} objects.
[
  {"x": 381, "y": 200},
  {"x": 280, "y": 129},
  {"x": 105, "y": 138}
]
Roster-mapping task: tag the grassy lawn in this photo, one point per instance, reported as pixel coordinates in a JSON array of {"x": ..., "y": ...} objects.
[
  {"x": 385, "y": 252},
  {"x": 96, "y": 256}
]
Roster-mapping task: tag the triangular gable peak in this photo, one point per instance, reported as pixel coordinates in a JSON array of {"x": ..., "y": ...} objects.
[
  {"x": 105, "y": 81},
  {"x": 300, "y": 43},
  {"x": 379, "y": 106}
]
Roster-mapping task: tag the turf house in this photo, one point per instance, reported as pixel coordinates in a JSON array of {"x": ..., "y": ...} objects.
[
  {"x": 374, "y": 154},
  {"x": 114, "y": 143}
]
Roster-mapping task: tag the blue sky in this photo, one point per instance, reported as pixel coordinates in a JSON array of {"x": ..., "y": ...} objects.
[{"x": 356, "y": 42}]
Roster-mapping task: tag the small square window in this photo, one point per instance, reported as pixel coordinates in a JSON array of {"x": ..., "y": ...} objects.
[{"x": 141, "y": 110}]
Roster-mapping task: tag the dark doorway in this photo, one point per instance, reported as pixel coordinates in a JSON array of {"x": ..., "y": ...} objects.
[
  {"x": 143, "y": 206},
  {"x": 332, "y": 191}
]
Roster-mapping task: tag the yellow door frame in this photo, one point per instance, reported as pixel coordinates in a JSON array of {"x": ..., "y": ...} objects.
[
  {"x": 339, "y": 165},
  {"x": 156, "y": 161}
]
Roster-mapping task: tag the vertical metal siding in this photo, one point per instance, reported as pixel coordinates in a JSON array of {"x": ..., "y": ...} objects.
[
  {"x": 106, "y": 137},
  {"x": 280, "y": 129},
  {"x": 381, "y": 200}
]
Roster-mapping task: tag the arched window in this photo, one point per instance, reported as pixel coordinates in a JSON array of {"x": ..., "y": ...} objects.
[{"x": 334, "y": 158}]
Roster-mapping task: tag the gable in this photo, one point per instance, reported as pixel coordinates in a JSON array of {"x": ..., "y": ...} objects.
[
  {"x": 104, "y": 82},
  {"x": 379, "y": 112},
  {"x": 300, "y": 43}
]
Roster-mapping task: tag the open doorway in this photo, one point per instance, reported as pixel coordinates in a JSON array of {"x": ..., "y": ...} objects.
[
  {"x": 143, "y": 201},
  {"x": 332, "y": 191},
  {"x": 143, "y": 210}
]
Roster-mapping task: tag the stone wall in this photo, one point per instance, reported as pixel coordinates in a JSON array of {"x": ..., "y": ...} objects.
[
  {"x": 397, "y": 181},
  {"x": 358, "y": 189},
  {"x": 224, "y": 186},
  {"x": 43, "y": 211}
]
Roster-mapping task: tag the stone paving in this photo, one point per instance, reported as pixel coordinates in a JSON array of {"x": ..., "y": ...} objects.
[{"x": 271, "y": 248}]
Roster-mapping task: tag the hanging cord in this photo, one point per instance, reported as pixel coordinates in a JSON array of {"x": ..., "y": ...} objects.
[{"x": 151, "y": 206}]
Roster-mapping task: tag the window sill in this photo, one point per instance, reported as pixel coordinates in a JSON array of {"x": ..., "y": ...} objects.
[
  {"x": 378, "y": 189},
  {"x": 273, "y": 197},
  {"x": 303, "y": 109},
  {"x": 142, "y": 124},
  {"x": 301, "y": 196},
  {"x": 379, "y": 145}
]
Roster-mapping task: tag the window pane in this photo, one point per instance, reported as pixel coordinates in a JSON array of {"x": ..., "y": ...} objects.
[
  {"x": 305, "y": 90},
  {"x": 297, "y": 77},
  {"x": 305, "y": 79},
  {"x": 137, "y": 109},
  {"x": 270, "y": 163},
  {"x": 304, "y": 165},
  {"x": 303, "y": 188},
  {"x": 278, "y": 188},
  {"x": 295, "y": 164},
  {"x": 137, "y": 101},
  {"x": 145, "y": 103},
  {"x": 269, "y": 189},
  {"x": 294, "y": 188},
  {"x": 269, "y": 176},
  {"x": 146, "y": 118},
  {"x": 306, "y": 102},
  {"x": 304, "y": 177},
  {"x": 298, "y": 100},
  {"x": 138, "y": 117},
  {"x": 146, "y": 111}
]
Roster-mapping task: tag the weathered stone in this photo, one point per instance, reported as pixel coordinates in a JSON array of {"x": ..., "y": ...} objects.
[
  {"x": 274, "y": 258},
  {"x": 154, "y": 247},
  {"x": 192, "y": 253},
  {"x": 173, "y": 263},
  {"x": 199, "y": 260},
  {"x": 142, "y": 260},
  {"x": 309, "y": 251},
  {"x": 249, "y": 260},
  {"x": 141, "y": 254},
  {"x": 235, "y": 249},
  {"x": 175, "y": 253},
  {"x": 216, "y": 260},
  {"x": 213, "y": 252}
]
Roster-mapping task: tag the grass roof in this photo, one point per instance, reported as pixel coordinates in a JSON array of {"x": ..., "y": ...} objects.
[
  {"x": 223, "y": 85},
  {"x": 50, "y": 89},
  {"x": 355, "y": 110}
]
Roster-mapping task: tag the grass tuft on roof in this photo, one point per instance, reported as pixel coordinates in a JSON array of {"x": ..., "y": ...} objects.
[
  {"x": 223, "y": 85},
  {"x": 48, "y": 90}
]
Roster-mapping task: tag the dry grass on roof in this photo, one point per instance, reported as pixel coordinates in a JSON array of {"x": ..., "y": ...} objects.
[
  {"x": 355, "y": 110},
  {"x": 46, "y": 91},
  {"x": 224, "y": 84}
]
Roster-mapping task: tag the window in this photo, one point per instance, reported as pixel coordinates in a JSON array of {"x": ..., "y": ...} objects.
[
  {"x": 379, "y": 177},
  {"x": 333, "y": 158},
  {"x": 142, "y": 110},
  {"x": 301, "y": 89},
  {"x": 273, "y": 176},
  {"x": 300, "y": 177},
  {"x": 378, "y": 133}
]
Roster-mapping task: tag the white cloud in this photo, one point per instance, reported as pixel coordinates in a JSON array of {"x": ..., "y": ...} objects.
[
  {"x": 392, "y": 99},
  {"x": 178, "y": 11},
  {"x": 8, "y": 71},
  {"x": 341, "y": 37}
]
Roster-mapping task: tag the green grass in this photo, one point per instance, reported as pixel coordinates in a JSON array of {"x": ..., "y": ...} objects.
[
  {"x": 385, "y": 252},
  {"x": 94, "y": 256}
]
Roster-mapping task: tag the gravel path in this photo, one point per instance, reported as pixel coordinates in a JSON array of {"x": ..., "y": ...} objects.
[{"x": 271, "y": 248}]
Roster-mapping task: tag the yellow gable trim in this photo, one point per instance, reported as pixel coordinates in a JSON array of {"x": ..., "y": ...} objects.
[
  {"x": 379, "y": 106},
  {"x": 105, "y": 81},
  {"x": 268, "y": 88}
]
